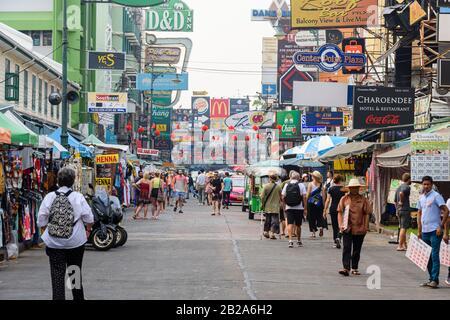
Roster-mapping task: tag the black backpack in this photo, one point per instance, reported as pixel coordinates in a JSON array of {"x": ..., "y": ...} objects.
[
  {"x": 61, "y": 218},
  {"x": 293, "y": 196}
]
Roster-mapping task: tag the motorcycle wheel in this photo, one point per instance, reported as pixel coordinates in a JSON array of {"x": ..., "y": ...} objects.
[
  {"x": 107, "y": 243},
  {"x": 121, "y": 236}
]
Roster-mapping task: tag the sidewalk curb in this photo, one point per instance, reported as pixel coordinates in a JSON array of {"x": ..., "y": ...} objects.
[{"x": 373, "y": 227}]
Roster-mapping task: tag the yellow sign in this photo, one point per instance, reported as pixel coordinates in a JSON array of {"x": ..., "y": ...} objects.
[
  {"x": 343, "y": 165},
  {"x": 161, "y": 127},
  {"x": 333, "y": 13},
  {"x": 200, "y": 93},
  {"x": 107, "y": 158},
  {"x": 103, "y": 182},
  {"x": 416, "y": 13},
  {"x": 346, "y": 118}
]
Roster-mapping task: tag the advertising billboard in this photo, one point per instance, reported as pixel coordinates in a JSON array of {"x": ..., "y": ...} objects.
[
  {"x": 107, "y": 102},
  {"x": 308, "y": 14},
  {"x": 290, "y": 123},
  {"x": 167, "y": 55},
  {"x": 200, "y": 110},
  {"x": 219, "y": 111},
  {"x": 162, "y": 82},
  {"x": 161, "y": 118},
  {"x": 324, "y": 119},
  {"x": 380, "y": 107},
  {"x": 239, "y": 105},
  {"x": 106, "y": 60},
  {"x": 172, "y": 16}
]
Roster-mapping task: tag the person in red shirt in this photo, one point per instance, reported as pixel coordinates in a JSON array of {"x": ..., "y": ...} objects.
[{"x": 180, "y": 183}]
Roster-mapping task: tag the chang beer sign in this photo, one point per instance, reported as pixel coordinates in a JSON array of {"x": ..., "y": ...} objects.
[
  {"x": 290, "y": 123},
  {"x": 174, "y": 15}
]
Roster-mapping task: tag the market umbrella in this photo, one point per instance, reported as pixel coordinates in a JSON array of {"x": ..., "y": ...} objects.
[{"x": 316, "y": 147}]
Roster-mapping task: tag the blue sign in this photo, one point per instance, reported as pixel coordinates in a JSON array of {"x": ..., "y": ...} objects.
[
  {"x": 311, "y": 130},
  {"x": 239, "y": 106},
  {"x": 162, "y": 81},
  {"x": 330, "y": 58},
  {"x": 261, "y": 14},
  {"x": 326, "y": 119},
  {"x": 269, "y": 89}
]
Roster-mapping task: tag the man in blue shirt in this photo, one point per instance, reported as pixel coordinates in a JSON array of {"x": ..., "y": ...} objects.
[
  {"x": 227, "y": 187},
  {"x": 432, "y": 229}
]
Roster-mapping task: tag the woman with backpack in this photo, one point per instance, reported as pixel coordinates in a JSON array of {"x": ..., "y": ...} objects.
[
  {"x": 64, "y": 215},
  {"x": 315, "y": 197}
]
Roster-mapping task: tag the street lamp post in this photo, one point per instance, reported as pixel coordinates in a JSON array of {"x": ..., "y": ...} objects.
[{"x": 64, "y": 111}]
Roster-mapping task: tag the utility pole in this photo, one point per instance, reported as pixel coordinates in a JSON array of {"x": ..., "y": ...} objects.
[{"x": 64, "y": 110}]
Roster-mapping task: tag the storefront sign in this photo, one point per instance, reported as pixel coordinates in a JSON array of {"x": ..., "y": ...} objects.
[
  {"x": 354, "y": 45},
  {"x": 278, "y": 10},
  {"x": 103, "y": 182},
  {"x": 168, "y": 55},
  {"x": 172, "y": 16},
  {"x": 148, "y": 152},
  {"x": 107, "y": 158},
  {"x": 290, "y": 123},
  {"x": 311, "y": 38},
  {"x": 106, "y": 60},
  {"x": 432, "y": 149},
  {"x": 200, "y": 109},
  {"x": 381, "y": 107},
  {"x": 246, "y": 120},
  {"x": 325, "y": 119},
  {"x": 162, "y": 82},
  {"x": 161, "y": 119},
  {"x": 107, "y": 102},
  {"x": 139, "y": 3},
  {"x": 324, "y": 14},
  {"x": 330, "y": 58},
  {"x": 311, "y": 130},
  {"x": 239, "y": 105},
  {"x": 220, "y": 108},
  {"x": 422, "y": 115}
]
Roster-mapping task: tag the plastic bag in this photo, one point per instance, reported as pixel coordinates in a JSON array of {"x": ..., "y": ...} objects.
[{"x": 12, "y": 248}]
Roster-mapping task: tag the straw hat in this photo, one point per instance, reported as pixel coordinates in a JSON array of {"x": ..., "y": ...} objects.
[
  {"x": 354, "y": 183},
  {"x": 317, "y": 175}
]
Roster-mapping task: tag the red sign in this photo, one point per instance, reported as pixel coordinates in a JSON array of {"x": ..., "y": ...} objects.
[
  {"x": 220, "y": 108},
  {"x": 148, "y": 152},
  {"x": 388, "y": 119}
]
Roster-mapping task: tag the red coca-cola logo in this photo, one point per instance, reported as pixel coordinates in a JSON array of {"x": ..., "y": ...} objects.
[{"x": 388, "y": 119}]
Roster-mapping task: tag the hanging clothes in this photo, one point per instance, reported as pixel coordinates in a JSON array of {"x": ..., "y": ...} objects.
[{"x": 26, "y": 223}]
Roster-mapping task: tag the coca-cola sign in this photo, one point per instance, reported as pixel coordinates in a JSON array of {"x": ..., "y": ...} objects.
[{"x": 381, "y": 107}]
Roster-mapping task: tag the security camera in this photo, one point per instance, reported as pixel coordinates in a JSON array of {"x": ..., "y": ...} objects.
[{"x": 54, "y": 98}]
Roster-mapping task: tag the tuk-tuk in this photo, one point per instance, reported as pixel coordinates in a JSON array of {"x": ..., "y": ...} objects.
[{"x": 255, "y": 179}]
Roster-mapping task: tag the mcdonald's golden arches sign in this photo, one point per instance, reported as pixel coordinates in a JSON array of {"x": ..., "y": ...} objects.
[{"x": 220, "y": 108}]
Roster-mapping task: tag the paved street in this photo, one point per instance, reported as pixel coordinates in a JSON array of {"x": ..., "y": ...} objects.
[{"x": 197, "y": 256}]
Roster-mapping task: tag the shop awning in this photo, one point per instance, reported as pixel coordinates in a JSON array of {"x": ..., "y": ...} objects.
[
  {"x": 301, "y": 163},
  {"x": 346, "y": 151},
  {"x": 20, "y": 134},
  {"x": 59, "y": 152},
  {"x": 395, "y": 158},
  {"x": 84, "y": 151},
  {"x": 353, "y": 133},
  {"x": 5, "y": 136},
  {"x": 92, "y": 140}
]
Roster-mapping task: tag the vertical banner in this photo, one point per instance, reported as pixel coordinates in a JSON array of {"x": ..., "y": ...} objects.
[{"x": 161, "y": 119}]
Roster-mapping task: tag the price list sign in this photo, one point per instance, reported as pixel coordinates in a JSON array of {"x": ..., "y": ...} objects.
[{"x": 418, "y": 252}]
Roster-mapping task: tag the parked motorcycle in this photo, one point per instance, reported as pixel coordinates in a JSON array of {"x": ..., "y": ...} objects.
[
  {"x": 103, "y": 235},
  {"x": 117, "y": 217}
]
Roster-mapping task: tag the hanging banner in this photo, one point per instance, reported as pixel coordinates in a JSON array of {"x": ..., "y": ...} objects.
[
  {"x": 381, "y": 107},
  {"x": 106, "y": 60},
  {"x": 172, "y": 16},
  {"x": 432, "y": 149},
  {"x": 107, "y": 158},
  {"x": 107, "y": 102},
  {"x": 290, "y": 123},
  {"x": 308, "y": 14}
]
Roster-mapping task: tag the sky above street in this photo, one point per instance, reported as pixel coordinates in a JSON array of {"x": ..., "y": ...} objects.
[{"x": 225, "y": 38}]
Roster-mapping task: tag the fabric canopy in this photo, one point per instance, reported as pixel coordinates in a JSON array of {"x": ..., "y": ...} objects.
[
  {"x": 265, "y": 168},
  {"x": 59, "y": 152},
  {"x": 316, "y": 147},
  {"x": 5, "y": 136},
  {"x": 20, "y": 134},
  {"x": 84, "y": 151},
  {"x": 92, "y": 140},
  {"x": 395, "y": 158},
  {"x": 301, "y": 163},
  {"x": 345, "y": 151}
]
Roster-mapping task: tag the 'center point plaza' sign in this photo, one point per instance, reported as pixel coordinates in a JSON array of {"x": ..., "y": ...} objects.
[{"x": 330, "y": 58}]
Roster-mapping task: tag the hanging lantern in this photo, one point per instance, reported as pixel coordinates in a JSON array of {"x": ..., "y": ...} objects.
[
  {"x": 247, "y": 138},
  {"x": 178, "y": 126},
  {"x": 153, "y": 126},
  {"x": 129, "y": 127},
  {"x": 255, "y": 127},
  {"x": 234, "y": 137},
  {"x": 231, "y": 128},
  {"x": 204, "y": 127},
  {"x": 157, "y": 133},
  {"x": 258, "y": 136},
  {"x": 279, "y": 127},
  {"x": 141, "y": 130}
]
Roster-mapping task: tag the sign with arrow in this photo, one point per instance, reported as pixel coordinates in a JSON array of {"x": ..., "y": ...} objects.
[
  {"x": 286, "y": 85},
  {"x": 269, "y": 90}
]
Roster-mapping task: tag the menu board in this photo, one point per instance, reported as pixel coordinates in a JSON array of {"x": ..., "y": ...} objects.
[{"x": 432, "y": 149}]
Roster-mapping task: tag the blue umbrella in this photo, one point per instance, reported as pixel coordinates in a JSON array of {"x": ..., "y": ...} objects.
[{"x": 316, "y": 147}]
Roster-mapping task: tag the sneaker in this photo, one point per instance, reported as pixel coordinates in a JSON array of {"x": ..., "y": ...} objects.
[
  {"x": 291, "y": 244},
  {"x": 338, "y": 243},
  {"x": 447, "y": 282},
  {"x": 433, "y": 285},
  {"x": 181, "y": 211},
  {"x": 299, "y": 244},
  {"x": 175, "y": 209},
  {"x": 425, "y": 284}
]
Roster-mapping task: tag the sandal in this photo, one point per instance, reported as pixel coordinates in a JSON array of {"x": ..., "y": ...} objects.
[
  {"x": 356, "y": 273},
  {"x": 344, "y": 272}
]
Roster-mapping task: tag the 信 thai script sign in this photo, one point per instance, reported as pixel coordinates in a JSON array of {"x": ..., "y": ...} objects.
[
  {"x": 330, "y": 58},
  {"x": 107, "y": 158},
  {"x": 167, "y": 55},
  {"x": 333, "y": 13},
  {"x": 107, "y": 102},
  {"x": 106, "y": 60},
  {"x": 380, "y": 107},
  {"x": 174, "y": 15}
]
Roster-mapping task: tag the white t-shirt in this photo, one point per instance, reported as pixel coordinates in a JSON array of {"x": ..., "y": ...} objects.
[
  {"x": 201, "y": 179},
  {"x": 448, "y": 204},
  {"x": 302, "y": 193}
]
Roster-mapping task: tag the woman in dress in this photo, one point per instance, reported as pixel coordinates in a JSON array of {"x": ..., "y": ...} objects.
[
  {"x": 144, "y": 195},
  {"x": 315, "y": 196}
]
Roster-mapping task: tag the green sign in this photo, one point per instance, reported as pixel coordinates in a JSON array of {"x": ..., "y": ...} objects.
[
  {"x": 290, "y": 123},
  {"x": 161, "y": 118},
  {"x": 139, "y": 3},
  {"x": 174, "y": 15}
]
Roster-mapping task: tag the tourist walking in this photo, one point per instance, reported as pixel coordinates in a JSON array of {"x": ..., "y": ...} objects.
[
  {"x": 334, "y": 196},
  {"x": 180, "y": 190},
  {"x": 156, "y": 189},
  {"x": 200, "y": 185},
  {"x": 64, "y": 214},
  {"x": 315, "y": 198},
  {"x": 143, "y": 185},
  {"x": 354, "y": 212},
  {"x": 294, "y": 196},
  {"x": 217, "y": 193},
  {"x": 270, "y": 200},
  {"x": 431, "y": 228},
  {"x": 227, "y": 187},
  {"x": 136, "y": 190},
  {"x": 403, "y": 208},
  {"x": 209, "y": 189}
]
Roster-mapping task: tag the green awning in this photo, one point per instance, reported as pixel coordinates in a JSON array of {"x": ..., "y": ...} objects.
[
  {"x": 92, "y": 139},
  {"x": 20, "y": 134}
]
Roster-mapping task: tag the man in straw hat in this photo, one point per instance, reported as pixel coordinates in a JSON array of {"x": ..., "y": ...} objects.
[
  {"x": 354, "y": 212},
  {"x": 271, "y": 199}
]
